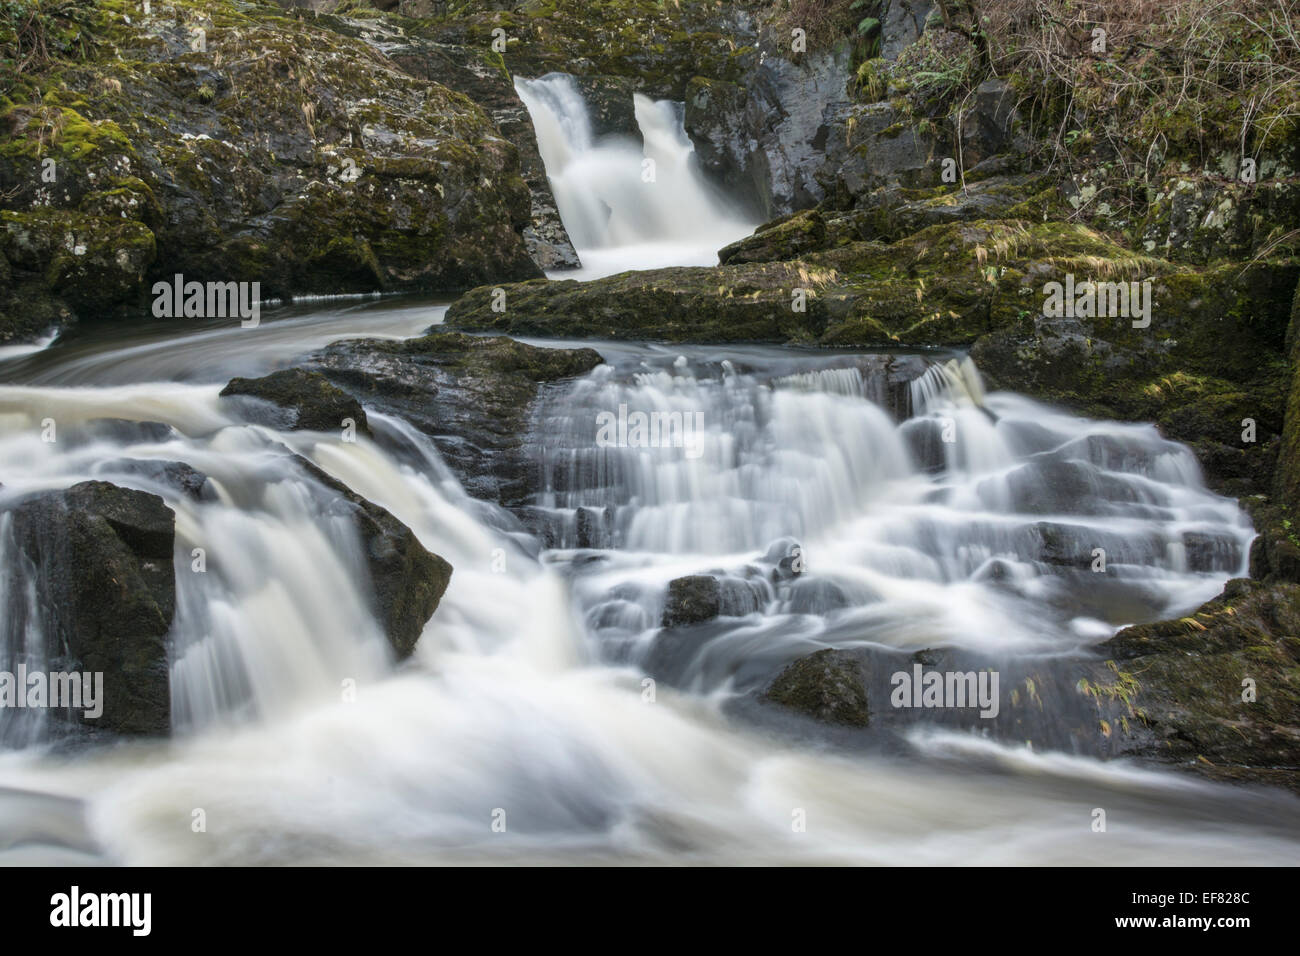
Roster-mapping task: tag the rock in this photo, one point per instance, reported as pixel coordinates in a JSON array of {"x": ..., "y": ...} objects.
[
  {"x": 927, "y": 289},
  {"x": 722, "y": 127},
  {"x": 177, "y": 474},
  {"x": 307, "y": 399},
  {"x": 117, "y": 431},
  {"x": 826, "y": 686},
  {"x": 477, "y": 73},
  {"x": 472, "y": 395},
  {"x": 902, "y": 24},
  {"x": 692, "y": 600},
  {"x": 407, "y": 580},
  {"x": 883, "y": 147},
  {"x": 990, "y": 127},
  {"x": 702, "y": 597},
  {"x": 794, "y": 112},
  {"x": 1178, "y": 685},
  {"x": 815, "y": 596},
  {"x": 658, "y": 48},
  {"x": 788, "y": 237},
  {"x": 1214, "y": 215},
  {"x": 610, "y": 105},
  {"x": 230, "y": 166},
  {"x": 101, "y": 565},
  {"x": 1286, "y": 484}
]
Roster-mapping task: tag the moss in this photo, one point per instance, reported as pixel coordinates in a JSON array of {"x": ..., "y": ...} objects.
[{"x": 826, "y": 686}]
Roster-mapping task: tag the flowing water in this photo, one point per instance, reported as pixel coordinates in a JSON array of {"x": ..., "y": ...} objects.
[
  {"x": 627, "y": 205},
  {"x": 924, "y": 508}
]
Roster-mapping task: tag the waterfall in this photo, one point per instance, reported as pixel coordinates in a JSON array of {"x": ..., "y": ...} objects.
[
  {"x": 926, "y": 512},
  {"x": 526, "y": 694},
  {"x": 628, "y": 206}
]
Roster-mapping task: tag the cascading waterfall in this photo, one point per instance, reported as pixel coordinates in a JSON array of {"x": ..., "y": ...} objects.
[
  {"x": 627, "y": 206},
  {"x": 525, "y": 692},
  {"x": 927, "y": 514}
]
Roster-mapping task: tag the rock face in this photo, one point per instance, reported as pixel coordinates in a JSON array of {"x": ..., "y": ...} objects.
[
  {"x": 235, "y": 144},
  {"x": 902, "y": 24},
  {"x": 826, "y": 686},
  {"x": 481, "y": 75},
  {"x": 407, "y": 579},
  {"x": 100, "y": 559},
  {"x": 301, "y": 399},
  {"x": 472, "y": 395},
  {"x": 768, "y": 134}
]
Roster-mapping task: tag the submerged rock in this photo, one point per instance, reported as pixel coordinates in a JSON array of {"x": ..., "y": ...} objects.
[{"x": 100, "y": 560}]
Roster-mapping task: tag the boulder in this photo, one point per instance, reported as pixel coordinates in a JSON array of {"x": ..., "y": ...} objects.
[
  {"x": 826, "y": 686},
  {"x": 302, "y": 400},
  {"x": 692, "y": 600},
  {"x": 100, "y": 560},
  {"x": 407, "y": 580}
]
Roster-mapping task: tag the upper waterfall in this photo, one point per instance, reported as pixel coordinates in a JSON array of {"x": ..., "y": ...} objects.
[{"x": 628, "y": 206}]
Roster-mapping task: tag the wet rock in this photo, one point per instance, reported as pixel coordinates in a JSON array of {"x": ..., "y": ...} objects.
[
  {"x": 1215, "y": 692},
  {"x": 1066, "y": 487},
  {"x": 185, "y": 479},
  {"x": 472, "y": 395},
  {"x": 692, "y": 600},
  {"x": 303, "y": 400},
  {"x": 407, "y": 580},
  {"x": 100, "y": 560},
  {"x": 815, "y": 596},
  {"x": 785, "y": 238},
  {"x": 883, "y": 148},
  {"x": 725, "y": 134},
  {"x": 116, "y": 430},
  {"x": 373, "y": 179},
  {"x": 826, "y": 686},
  {"x": 478, "y": 75},
  {"x": 1208, "y": 553},
  {"x": 924, "y": 439},
  {"x": 610, "y": 105}
]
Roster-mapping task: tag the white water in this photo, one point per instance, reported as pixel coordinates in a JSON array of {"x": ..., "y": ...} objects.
[
  {"x": 512, "y": 701},
  {"x": 627, "y": 206}
]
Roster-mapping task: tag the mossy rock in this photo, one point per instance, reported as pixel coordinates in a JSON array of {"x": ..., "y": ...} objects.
[
  {"x": 827, "y": 686},
  {"x": 1218, "y": 691},
  {"x": 306, "y": 398}
]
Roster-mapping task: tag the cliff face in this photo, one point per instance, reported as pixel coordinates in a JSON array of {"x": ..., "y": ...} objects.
[{"x": 249, "y": 144}]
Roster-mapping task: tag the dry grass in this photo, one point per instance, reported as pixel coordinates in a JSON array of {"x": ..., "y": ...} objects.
[{"x": 1174, "y": 74}]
